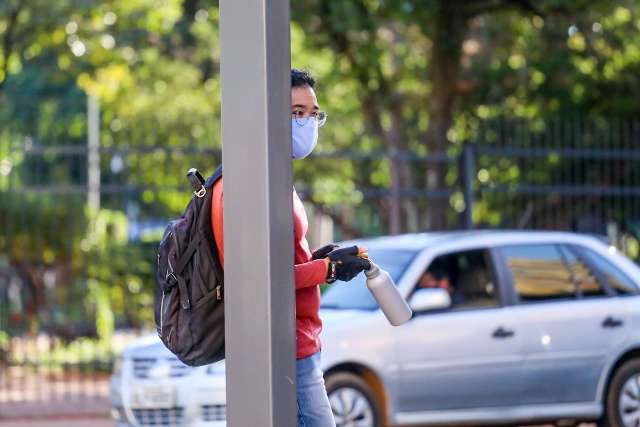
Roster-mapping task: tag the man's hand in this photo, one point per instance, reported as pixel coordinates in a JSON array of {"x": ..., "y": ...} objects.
[
  {"x": 347, "y": 263},
  {"x": 323, "y": 251}
]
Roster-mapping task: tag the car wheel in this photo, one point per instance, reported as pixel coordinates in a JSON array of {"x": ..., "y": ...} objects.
[
  {"x": 623, "y": 397},
  {"x": 353, "y": 401}
]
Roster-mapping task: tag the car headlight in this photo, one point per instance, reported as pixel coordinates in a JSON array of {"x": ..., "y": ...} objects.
[
  {"x": 216, "y": 368},
  {"x": 117, "y": 366}
]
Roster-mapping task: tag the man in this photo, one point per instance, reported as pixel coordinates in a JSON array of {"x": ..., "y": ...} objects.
[
  {"x": 435, "y": 279},
  {"x": 437, "y": 276},
  {"x": 325, "y": 265}
]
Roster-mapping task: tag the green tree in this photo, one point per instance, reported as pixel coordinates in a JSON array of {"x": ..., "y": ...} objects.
[{"x": 398, "y": 77}]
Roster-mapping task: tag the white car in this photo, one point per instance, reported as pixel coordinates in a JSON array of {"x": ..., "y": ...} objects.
[
  {"x": 508, "y": 327},
  {"x": 151, "y": 387}
]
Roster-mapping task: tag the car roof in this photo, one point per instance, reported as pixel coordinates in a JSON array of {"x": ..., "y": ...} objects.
[
  {"x": 419, "y": 241},
  {"x": 147, "y": 346}
]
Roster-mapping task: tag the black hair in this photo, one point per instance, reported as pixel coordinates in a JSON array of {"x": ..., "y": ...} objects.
[{"x": 300, "y": 78}]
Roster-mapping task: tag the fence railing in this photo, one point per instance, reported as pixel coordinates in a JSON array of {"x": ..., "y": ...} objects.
[
  {"x": 56, "y": 375},
  {"x": 70, "y": 277}
]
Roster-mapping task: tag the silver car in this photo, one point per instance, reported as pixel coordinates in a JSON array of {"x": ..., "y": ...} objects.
[{"x": 509, "y": 327}]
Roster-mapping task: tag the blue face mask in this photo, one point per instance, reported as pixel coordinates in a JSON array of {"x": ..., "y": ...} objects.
[{"x": 304, "y": 138}]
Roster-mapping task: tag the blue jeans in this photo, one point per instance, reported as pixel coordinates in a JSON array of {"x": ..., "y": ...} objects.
[{"x": 313, "y": 404}]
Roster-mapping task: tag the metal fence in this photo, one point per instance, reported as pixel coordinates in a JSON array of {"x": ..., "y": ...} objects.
[
  {"x": 71, "y": 276},
  {"x": 575, "y": 175}
]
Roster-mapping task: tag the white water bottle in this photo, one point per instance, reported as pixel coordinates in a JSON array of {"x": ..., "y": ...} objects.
[{"x": 381, "y": 285}]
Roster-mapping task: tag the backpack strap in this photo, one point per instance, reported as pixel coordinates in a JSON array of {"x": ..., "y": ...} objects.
[
  {"x": 184, "y": 292},
  {"x": 216, "y": 265},
  {"x": 186, "y": 256},
  {"x": 213, "y": 178}
]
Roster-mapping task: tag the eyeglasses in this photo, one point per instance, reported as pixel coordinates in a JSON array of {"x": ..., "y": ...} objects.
[{"x": 301, "y": 119}]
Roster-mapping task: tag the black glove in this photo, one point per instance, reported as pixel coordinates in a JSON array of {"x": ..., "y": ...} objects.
[
  {"x": 323, "y": 251},
  {"x": 347, "y": 263}
]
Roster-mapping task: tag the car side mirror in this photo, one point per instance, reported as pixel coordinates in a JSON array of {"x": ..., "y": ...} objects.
[{"x": 430, "y": 299}]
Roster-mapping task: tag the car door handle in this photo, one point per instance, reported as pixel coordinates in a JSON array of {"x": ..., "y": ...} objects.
[
  {"x": 503, "y": 333},
  {"x": 612, "y": 322}
]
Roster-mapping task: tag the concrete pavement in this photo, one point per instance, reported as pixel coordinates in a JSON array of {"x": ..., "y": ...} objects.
[
  {"x": 82, "y": 422},
  {"x": 94, "y": 422}
]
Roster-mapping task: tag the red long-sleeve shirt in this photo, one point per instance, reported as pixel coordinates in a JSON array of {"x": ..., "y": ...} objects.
[{"x": 308, "y": 274}]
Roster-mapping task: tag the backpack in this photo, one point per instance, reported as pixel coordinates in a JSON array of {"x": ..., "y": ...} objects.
[{"x": 189, "y": 305}]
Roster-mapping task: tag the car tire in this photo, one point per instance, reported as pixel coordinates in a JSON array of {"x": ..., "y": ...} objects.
[
  {"x": 623, "y": 397},
  {"x": 353, "y": 401}
]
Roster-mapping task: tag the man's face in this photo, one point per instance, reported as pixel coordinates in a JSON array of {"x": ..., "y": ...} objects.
[
  {"x": 303, "y": 102},
  {"x": 431, "y": 281},
  {"x": 428, "y": 281}
]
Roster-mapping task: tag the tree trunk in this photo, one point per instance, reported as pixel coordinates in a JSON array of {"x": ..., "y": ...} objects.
[
  {"x": 371, "y": 108},
  {"x": 398, "y": 139},
  {"x": 395, "y": 144},
  {"x": 348, "y": 229},
  {"x": 8, "y": 41},
  {"x": 451, "y": 26}
]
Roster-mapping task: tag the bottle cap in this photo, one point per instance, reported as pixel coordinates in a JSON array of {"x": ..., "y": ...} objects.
[{"x": 372, "y": 272}]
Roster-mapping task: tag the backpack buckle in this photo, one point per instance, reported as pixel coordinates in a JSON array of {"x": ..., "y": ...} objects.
[
  {"x": 197, "y": 182},
  {"x": 171, "y": 279},
  {"x": 201, "y": 192}
]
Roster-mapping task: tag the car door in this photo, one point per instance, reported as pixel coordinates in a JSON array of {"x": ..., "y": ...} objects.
[
  {"x": 467, "y": 356},
  {"x": 568, "y": 319}
]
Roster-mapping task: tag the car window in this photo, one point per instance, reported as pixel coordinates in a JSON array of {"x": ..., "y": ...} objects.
[
  {"x": 539, "y": 272},
  {"x": 615, "y": 277},
  {"x": 585, "y": 281},
  {"x": 467, "y": 277},
  {"x": 355, "y": 294}
]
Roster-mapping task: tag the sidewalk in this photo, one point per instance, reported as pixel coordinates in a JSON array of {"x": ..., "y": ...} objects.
[
  {"x": 96, "y": 422},
  {"x": 80, "y": 422},
  {"x": 87, "y": 413},
  {"x": 89, "y": 408}
]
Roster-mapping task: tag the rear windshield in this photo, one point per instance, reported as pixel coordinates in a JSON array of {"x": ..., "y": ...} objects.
[{"x": 354, "y": 295}]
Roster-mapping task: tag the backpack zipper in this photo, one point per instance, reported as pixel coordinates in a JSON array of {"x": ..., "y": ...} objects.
[
  {"x": 161, "y": 312},
  {"x": 169, "y": 339},
  {"x": 174, "y": 237}
]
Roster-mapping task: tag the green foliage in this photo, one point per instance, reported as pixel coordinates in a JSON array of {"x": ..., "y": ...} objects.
[
  {"x": 38, "y": 228},
  {"x": 401, "y": 76},
  {"x": 85, "y": 355}
]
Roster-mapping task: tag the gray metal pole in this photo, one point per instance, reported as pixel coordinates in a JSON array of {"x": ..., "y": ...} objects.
[
  {"x": 93, "y": 152},
  {"x": 258, "y": 227}
]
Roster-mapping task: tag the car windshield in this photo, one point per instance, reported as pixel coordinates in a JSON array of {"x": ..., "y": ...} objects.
[{"x": 354, "y": 295}]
